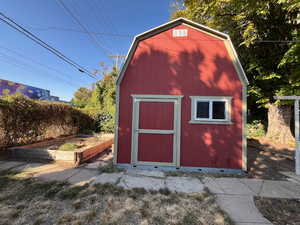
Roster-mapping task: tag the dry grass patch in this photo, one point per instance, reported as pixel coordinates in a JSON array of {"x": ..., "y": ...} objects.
[
  {"x": 109, "y": 168},
  {"x": 279, "y": 211},
  {"x": 30, "y": 201}
]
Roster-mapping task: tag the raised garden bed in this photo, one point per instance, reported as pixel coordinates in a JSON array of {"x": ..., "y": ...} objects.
[{"x": 73, "y": 149}]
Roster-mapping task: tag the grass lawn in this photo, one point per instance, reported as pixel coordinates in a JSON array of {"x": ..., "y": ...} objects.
[
  {"x": 30, "y": 201},
  {"x": 279, "y": 211}
]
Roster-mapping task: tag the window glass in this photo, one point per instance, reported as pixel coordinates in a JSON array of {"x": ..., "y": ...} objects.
[
  {"x": 202, "y": 110},
  {"x": 218, "y": 110}
]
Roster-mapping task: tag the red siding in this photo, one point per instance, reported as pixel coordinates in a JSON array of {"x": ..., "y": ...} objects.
[
  {"x": 155, "y": 147},
  {"x": 156, "y": 115},
  {"x": 197, "y": 65}
]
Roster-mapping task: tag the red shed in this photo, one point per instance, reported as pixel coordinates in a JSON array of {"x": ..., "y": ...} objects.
[{"x": 181, "y": 101}]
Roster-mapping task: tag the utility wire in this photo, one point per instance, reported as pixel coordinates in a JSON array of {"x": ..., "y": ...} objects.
[
  {"x": 33, "y": 61},
  {"x": 103, "y": 19},
  {"x": 27, "y": 66},
  {"x": 31, "y": 36},
  {"x": 82, "y": 26},
  {"x": 131, "y": 36},
  {"x": 80, "y": 31}
]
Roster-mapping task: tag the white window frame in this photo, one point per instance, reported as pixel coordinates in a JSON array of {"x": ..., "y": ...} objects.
[{"x": 210, "y": 99}]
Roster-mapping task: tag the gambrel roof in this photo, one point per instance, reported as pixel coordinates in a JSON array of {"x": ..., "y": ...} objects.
[{"x": 237, "y": 65}]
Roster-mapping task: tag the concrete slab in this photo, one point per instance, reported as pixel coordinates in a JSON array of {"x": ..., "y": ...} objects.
[
  {"x": 7, "y": 165},
  {"x": 241, "y": 209},
  {"x": 212, "y": 185},
  {"x": 293, "y": 189},
  {"x": 112, "y": 178},
  {"x": 184, "y": 184},
  {"x": 93, "y": 165},
  {"x": 255, "y": 185},
  {"x": 147, "y": 173},
  {"x": 279, "y": 189},
  {"x": 233, "y": 186},
  {"x": 58, "y": 174},
  {"x": 83, "y": 176},
  {"x": 227, "y": 186},
  {"x": 292, "y": 176},
  {"x": 149, "y": 183},
  {"x": 37, "y": 167}
]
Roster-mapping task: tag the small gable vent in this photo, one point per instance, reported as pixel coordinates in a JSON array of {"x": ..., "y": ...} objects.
[{"x": 180, "y": 32}]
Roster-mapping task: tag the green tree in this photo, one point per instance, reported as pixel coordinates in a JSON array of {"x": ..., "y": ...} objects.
[
  {"x": 265, "y": 34},
  {"x": 81, "y": 97},
  {"x": 102, "y": 102}
]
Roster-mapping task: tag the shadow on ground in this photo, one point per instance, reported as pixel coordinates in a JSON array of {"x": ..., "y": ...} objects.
[{"x": 267, "y": 159}]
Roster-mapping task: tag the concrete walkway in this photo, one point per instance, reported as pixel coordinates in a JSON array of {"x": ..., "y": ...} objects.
[{"x": 234, "y": 195}]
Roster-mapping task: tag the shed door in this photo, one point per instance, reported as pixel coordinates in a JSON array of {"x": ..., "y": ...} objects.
[{"x": 156, "y": 130}]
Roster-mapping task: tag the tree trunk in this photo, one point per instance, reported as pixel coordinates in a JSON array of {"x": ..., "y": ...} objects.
[{"x": 279, "y": 120}]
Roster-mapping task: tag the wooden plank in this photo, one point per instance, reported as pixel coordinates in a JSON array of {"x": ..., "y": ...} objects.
[
  {"x": 93, "y": 151},
  {"x": 44, "y": 144}
]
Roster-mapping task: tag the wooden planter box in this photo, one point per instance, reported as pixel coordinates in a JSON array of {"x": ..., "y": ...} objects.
[{"x": 39, "y": 151}]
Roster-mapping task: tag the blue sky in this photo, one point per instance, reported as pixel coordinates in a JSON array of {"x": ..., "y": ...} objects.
[{"x": 114, "y": 21}]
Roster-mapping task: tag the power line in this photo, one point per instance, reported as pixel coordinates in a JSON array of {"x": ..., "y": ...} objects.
[
  {"x": 80, "y": 31},
  {"x": 278, "y": 41},
  {"x": 19, "y": 63},
  {"x": 31, "y": 36},
  {"x": 131, "y": 36},
  {"x": 33, "y": 61},
  {"x": 104, "y": 19},
  {"x": 82, "y": 26}
]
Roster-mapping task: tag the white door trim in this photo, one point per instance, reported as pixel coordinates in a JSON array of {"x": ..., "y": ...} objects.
[{"x": 176, "y": 127}]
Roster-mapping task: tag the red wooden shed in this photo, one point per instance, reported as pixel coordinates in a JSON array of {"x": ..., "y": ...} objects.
[{"x": 181, "y": 101}]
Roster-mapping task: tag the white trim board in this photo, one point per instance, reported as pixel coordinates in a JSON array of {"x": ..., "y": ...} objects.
[
  {"x": 176, "y": 99},
  {"x": 210, "y": 100}
]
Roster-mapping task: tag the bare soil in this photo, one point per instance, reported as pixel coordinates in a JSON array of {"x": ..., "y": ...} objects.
[
  {"x": 279, "y": 211},
  {"x": 33, "y": 202},
  {"x": 267, "y": 159}
]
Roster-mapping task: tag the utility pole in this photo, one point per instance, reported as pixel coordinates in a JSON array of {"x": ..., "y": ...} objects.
[{"x": 117, "y": 59}]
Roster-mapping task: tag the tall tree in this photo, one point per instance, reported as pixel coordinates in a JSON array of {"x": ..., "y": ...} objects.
[
  {"x": 265, "y": 34},
  {"x": 101, "y": 104},
  {"x": 82, "y": 97}
]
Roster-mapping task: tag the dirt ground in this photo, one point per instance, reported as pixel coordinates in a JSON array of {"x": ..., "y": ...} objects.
[
  {"x": 33, "y": 202},
  {"x": 279, "y": 211},
  {"x": 267, "y": 159}
]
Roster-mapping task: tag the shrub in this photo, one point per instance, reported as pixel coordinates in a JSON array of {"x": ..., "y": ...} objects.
[
  {"x": 255, "y": 129},
  {"x": 23, "y": 120}
]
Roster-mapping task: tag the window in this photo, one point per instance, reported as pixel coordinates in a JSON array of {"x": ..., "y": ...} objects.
[{"x": 211, "y": 109}]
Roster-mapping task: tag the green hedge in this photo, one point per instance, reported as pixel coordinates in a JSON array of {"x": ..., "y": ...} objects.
[{"x": 24, "y": 121}]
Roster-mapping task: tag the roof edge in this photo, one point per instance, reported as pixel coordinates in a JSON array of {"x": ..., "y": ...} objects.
[{"x": 171, "y": 24}]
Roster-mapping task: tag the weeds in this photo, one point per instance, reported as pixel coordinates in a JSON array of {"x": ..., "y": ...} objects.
[
  {"x": 67, "y": 147},
  {"x": 71, "y": 192},
  {"x": 36, "y": 202},
  {"x": 171, "y": 199},
  {"x": 105, "y": 189},
  {"x": 190, "y": 219},
  {"x": 164, "y": 191},
  {"x": 109, "y": 168},
  {"x": 158, "y": 220},
  {"x": 255, "y": 129}
]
